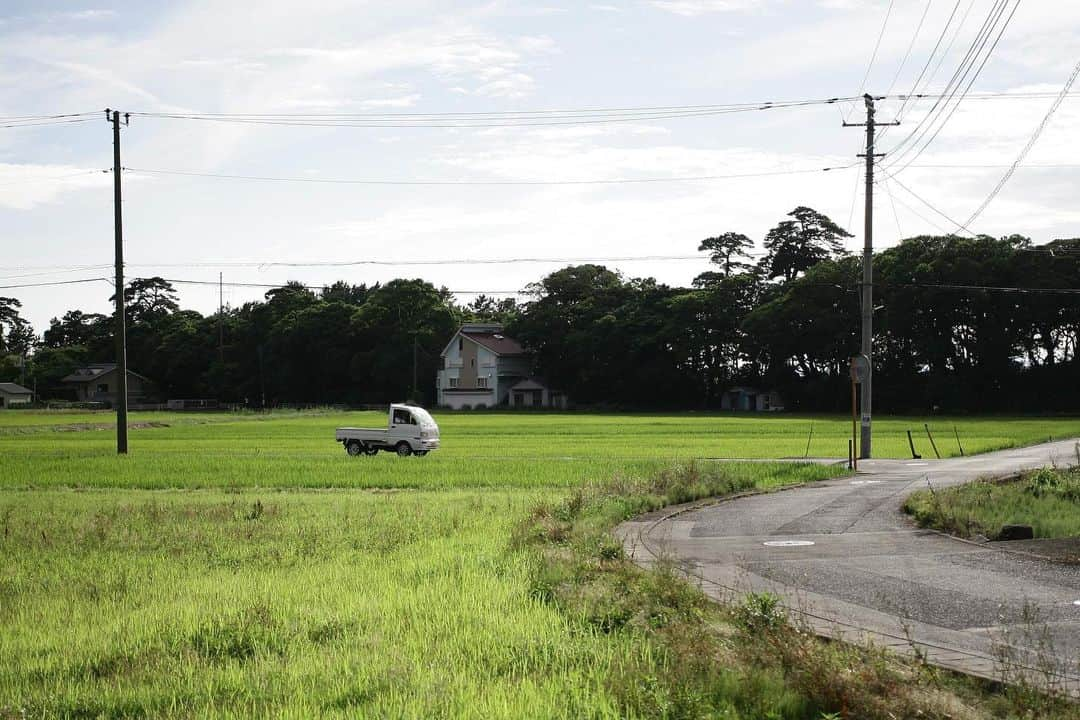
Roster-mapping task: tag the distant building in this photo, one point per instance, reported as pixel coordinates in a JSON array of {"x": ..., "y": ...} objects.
[
  {"x": 482, "y": 367},
  {"x": 742, "y": 397},
  {"x": 12, "y": 394},
  {"x": 99, "y": 383},
  {"x": 534, "y": 392}
]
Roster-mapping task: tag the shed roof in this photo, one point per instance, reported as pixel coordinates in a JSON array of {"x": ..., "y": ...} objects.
[
  {"x": 92, "y": 372},
  {"x": 14, "y": 389}
]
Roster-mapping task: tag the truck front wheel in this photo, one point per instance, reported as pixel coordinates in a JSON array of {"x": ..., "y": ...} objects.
[
  {"x": 403, "y": 449},
  {"x": 354, "y": 448}
]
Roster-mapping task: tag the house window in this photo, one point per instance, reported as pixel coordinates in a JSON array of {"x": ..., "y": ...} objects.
[
  {"x": 103, "y": 388},
  {"x": 472, "y": 362},
  {"x": 453, "y": 382},
  {"x": 460, "y": 343},
  {"x": 482, "y": 382}
]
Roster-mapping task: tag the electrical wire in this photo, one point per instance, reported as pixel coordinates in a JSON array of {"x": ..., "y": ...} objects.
[
  {"x": 911, "y": 46},
  {"x": 412, "y": 263},
  {"x": 927, "y": 203},
  {"x": 58, "y": 282},
  {"x": 930, "y": 58},
  {"x": 317, "y": 286},
  {"x": 615, "y": 181},
  {"x": 1027, "y": 148},
  {"x": 877, "y": 47},
  {"x": 940, "y": 126},
  {"x": 45, "y": 122},
  {"x": 471, "y": 122}
]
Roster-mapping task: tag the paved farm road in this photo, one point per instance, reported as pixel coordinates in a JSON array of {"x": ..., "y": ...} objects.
[{"x": 843, "y": 555}]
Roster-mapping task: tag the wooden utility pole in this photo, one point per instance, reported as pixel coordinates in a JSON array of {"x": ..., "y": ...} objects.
[
  {"x": 113, "y": 116},
  {"x": 867, "y": 295},
  {"x": 221, "y": 319}
]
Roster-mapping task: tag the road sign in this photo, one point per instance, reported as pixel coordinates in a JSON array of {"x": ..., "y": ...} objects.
[{"x": 860, "y": 369}]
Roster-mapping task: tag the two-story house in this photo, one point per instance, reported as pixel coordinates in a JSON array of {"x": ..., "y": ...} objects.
[
  {"x": 480, "y": 365},
  {"x": 100, "y": 383}
]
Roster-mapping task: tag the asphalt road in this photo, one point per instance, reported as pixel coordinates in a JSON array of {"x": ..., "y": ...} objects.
[{"x": 848, "y": 561}]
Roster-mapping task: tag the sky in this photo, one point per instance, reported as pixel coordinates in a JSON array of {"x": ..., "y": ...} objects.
[{"x": 335, "y": 57}]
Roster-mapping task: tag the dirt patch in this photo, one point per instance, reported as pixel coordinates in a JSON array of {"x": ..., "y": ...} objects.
[
  {"x": 78, "y": 427},
  {"x": 1062, "y": 550}
]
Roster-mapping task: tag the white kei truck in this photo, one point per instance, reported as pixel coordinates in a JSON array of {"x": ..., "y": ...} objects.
[{"x": 409, "y": 430}]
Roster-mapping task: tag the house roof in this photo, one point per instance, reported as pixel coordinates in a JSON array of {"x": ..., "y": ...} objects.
[
  {"x": 14, "y": 389},
  {"x": 92, "y": 372},
  {"x": 531, "y": 383},
  {"x": 496, "y": 342}
]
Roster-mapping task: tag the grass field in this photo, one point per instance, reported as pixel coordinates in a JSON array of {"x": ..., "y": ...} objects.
[
  {"x": 1048, "y": 500},
  {"x": 244, "y": 565}
]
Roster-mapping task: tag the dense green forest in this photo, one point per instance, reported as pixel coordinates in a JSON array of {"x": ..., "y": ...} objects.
[{"x": 961, "y": 324}]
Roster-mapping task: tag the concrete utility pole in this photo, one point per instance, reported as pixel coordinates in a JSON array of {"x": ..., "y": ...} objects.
[
  {"x": 867, "y": 295},
  {"x": 113, "y": 116}
]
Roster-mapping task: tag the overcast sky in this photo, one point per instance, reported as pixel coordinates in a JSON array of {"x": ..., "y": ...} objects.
[{"x": 322, "y": 56}]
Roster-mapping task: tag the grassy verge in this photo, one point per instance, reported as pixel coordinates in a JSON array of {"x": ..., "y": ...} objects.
[
  {"x": 1048, "y": 500},
  {"x": 708, "y": 660}
]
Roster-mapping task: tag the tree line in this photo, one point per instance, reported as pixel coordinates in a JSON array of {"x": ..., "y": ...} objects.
[{"x": 960, "y": 324}]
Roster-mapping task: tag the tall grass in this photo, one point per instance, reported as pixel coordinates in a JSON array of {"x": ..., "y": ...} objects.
[
  {"x": 1048, "y": 500},
  {"x": 244, "y": 565}
]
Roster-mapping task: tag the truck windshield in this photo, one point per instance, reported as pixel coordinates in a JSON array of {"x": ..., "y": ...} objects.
[{"x": 423, "y": 418}]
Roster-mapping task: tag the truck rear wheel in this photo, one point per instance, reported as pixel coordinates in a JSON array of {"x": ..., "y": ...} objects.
[
  {"x": 354, "y": 448},
  {"x": 403, "y": 449}
]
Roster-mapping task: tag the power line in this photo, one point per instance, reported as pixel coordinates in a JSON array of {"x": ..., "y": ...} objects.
[
  {"x": 527, "y": 114},
  {"x": 38, "y": 123},
  {"x": 56, "y": 272},
  {"x": 472, "y": 122},
  {"x": 971, "y": 82},
  {"x": 930, "y": 58},
  {"x": 927, "y": 203},
  {"x": 444, "y": 261},
  {"x": 938, "y": 98},
  {"x": 911, "y": 45},
  {"x": 1027, "y": 148},
  {"x": 319, "y": 286},
  {"x": 991, "y": 288},
  {"x": 615, "y": 181},
  {"x": 877, "y": 46},
  {"x": 58, "y": 282}
]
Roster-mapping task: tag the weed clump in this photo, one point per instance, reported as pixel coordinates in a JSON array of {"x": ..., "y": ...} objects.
[{"x": 1047, "y": 499}]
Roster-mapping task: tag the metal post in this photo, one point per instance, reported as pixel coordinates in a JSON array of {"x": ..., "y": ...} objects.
[
  {"x": 121, "y": 321},
  {"x": 415, "y": 392}
]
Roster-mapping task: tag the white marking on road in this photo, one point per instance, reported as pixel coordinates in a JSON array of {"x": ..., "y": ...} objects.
[
  {"x": 866, "y": 482},
  {"x": 916, "y": 464},
  {"x": 787, "y": 543},
  {"x": 1076, "y": 602}
]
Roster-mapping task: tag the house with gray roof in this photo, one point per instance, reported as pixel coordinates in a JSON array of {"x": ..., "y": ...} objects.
[
  {"x": 99, "y": 383},
  {"x": 12, "y": 394}
]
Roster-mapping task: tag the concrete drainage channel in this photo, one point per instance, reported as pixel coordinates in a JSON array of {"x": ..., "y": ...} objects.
[{"x": 857, "y": 570}]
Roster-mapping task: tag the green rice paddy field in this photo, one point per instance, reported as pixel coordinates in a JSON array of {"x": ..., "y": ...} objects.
[{"x": 237, "y": 565}]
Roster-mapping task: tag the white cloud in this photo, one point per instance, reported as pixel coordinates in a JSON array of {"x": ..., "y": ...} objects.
[
  {"x": 395, "y": 102},
  {"x": 26, "y": 186},
  {"x": 694, "y": 8},
  {"x": 77, "y": 15}
]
